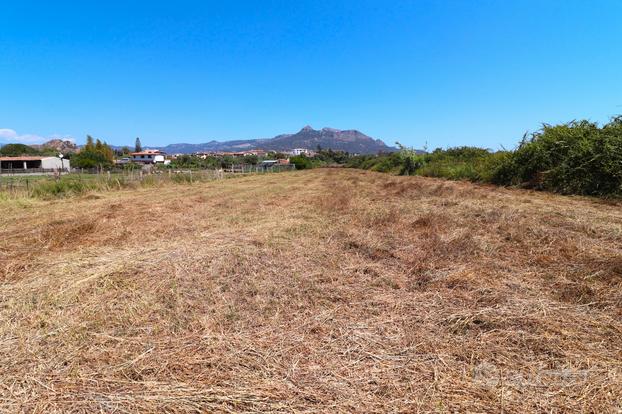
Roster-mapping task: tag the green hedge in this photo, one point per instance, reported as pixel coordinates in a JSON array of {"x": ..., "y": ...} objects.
[{"x": 574, "y": 158}]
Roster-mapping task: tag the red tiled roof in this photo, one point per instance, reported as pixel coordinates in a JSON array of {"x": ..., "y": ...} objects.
[
  {"x": 25, "y": 158},
  {"x": 147, "y": 152}
]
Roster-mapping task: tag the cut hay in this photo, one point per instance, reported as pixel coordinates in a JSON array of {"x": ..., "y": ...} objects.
[{"x": 321, "y": 291}]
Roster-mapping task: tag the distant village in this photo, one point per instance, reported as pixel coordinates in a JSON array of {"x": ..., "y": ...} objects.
[
  {"x": 300, "y": 150},
  {"x": 59, "y": 156},
  {"x": 150, "y": 156}
]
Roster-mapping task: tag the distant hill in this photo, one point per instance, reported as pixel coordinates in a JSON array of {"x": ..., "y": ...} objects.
[
  {"x": 352, "y": 141},
  {"x": 58, "y": 145}
]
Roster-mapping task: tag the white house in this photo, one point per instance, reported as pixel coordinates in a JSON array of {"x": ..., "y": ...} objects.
[
  {"x": 148, "y": 157},
  {"x": 30, "y": 164},
  {"x": 300, "y": 151}
]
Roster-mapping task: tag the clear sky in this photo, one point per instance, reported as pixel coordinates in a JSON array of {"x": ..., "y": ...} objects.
[{"x": 443, "y": 72}]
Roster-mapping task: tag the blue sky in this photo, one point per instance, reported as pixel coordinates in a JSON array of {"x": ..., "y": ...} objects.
[{"x": 443, "y": 72}]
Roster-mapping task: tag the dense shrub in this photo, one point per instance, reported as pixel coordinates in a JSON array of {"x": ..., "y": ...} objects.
[
  {"x": 301, "y": 162},
  {"x": 460, "y": 163},
  {"x": 574, "y": 158},
  {"x": 330, "y": 157},
  {"x": 89, "y": 160},
  {"x": 188, "y": 161},
  {"x": 385, "y": 162},
  {"x": 455, "y": 163}
]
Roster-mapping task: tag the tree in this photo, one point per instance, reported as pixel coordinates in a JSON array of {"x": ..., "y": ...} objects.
[
  {"x": 15, "y": 150},
  {"x": 251, "y": 159},
  {"x": 108, "y": 152},
  {"x": 94, "y": 154},
  {"x": 90, "y": 146},
  {"x": 138, "y": 146},
  {"x": 89, "y": 159}
]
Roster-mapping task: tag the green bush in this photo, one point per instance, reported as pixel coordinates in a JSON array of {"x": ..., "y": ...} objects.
[
  {"x": 90, "y": 159},
  {"x": 95, "y": 154},
  {"x": 301, "y": 162},
  {"x": 385, "y": 162},
  {"x": 61, "y": 188},
  {"x": 574, "y": 158},
  {"x": 460, "y": 163}
]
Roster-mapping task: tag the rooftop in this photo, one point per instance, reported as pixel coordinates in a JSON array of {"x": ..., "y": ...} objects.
[
  {"x": 26, "y": 158},
  {"x": 148, "y": 152}
]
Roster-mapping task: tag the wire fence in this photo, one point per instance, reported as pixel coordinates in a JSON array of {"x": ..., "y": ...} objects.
[{"x": 82, "y": 180}]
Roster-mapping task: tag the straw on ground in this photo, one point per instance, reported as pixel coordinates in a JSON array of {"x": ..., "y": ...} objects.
[{"x": 319, "y": 291}]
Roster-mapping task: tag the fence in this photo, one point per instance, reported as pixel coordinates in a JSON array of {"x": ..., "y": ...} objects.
[
  {"x": 95, "y": 179},
  {"x": 31, "y": 171},
  {"x": 259, "y": 168}
]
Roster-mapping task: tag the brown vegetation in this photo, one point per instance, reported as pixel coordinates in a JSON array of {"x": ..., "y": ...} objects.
[{"x": 325, "y": 290}]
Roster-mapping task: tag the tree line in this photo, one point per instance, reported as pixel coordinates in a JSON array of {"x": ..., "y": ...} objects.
[{"x": 95, "y": 154}]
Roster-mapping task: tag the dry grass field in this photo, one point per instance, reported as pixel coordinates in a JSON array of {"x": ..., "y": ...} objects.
[{"x": 316, "y": 291}]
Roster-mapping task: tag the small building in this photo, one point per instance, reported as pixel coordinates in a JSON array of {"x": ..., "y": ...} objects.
[
  {"x": 267, "y": 164},
  {"x": 257, "y": 152},
  {"x": 148, "y": 156},
  {"x": 300, "y": 151},
  {"x": 33, "y": 164}
]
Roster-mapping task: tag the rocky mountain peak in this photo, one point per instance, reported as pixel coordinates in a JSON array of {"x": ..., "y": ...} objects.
[
  {"x": 59, "y": 145},
  {"x": 330, "y": 130}
]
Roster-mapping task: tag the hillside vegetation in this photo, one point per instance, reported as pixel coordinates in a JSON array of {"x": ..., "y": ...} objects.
[
  {"x": 16, "y": 150},
  {"x": 328, "y": 290},
  {"x": 575, "y": 158}
]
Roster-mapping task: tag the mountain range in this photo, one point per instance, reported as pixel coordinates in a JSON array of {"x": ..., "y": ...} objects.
[{"x": 352, "y": 141}]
